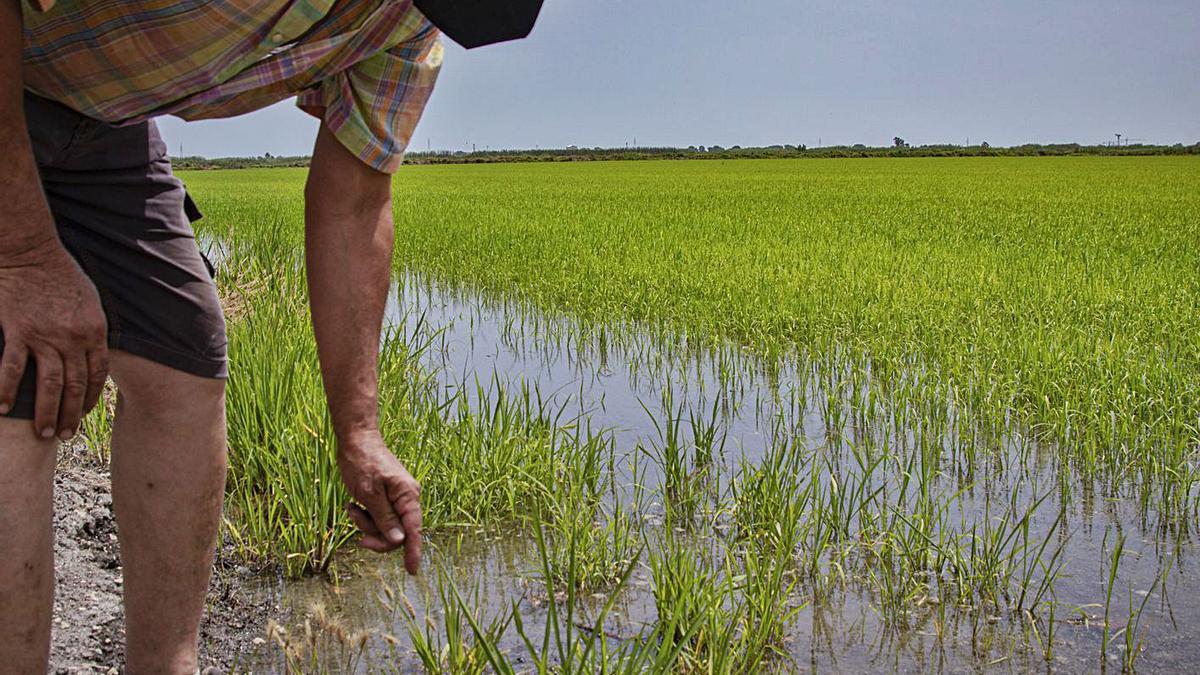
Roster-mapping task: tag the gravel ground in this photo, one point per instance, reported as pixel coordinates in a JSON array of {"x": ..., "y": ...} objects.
[{"x": 88, "y": 634}]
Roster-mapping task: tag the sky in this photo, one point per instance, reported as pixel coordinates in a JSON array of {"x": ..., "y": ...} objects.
[{"x": 814, "y": 72}]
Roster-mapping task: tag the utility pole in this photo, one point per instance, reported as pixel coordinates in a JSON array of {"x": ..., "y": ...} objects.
[{"x": 1118, "y": 140}]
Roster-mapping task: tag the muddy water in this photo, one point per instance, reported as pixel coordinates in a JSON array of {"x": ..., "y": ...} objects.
[{"x": 624, "y": 381}]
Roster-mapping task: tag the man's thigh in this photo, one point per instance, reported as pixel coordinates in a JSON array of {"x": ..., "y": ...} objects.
[{"x": 126, "y": 219}]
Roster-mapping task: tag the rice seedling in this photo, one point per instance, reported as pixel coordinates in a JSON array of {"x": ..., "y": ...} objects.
[
  {"x": 728, "y": 618},
  {"x": 96, "y": 428},
  {"x": 591, "y": 540},
  {"x": 686, "y": 468}
]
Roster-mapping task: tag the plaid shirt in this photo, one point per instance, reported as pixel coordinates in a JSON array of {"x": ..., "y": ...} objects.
[{"x": 365, "y": 67}]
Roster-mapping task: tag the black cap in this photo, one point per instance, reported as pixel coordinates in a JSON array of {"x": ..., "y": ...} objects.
[{"x": 474, "y": 23}]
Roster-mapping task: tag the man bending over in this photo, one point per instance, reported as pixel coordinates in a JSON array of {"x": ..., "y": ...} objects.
[{"x": 100, "y": 275}]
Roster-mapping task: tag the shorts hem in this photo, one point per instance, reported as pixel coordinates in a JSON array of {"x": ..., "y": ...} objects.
[{"x": 217, "y": 369}]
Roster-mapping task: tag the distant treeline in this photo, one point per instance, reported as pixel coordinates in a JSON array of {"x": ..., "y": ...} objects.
[
  {"x": 267, "y": 161},
  {"x": 716, "y": 152}
]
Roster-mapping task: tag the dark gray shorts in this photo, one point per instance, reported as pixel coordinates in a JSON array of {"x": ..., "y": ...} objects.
[{"x": 127, "y": 220}]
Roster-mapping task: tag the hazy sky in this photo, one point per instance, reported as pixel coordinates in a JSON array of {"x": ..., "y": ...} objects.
[{"x": 759, "y": 72}]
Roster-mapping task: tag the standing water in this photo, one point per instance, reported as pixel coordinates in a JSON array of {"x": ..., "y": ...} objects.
[{"x": 1103, "y": 562}]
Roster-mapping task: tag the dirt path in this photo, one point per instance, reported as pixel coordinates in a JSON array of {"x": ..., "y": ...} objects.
[{"x": 88, "y": 634}]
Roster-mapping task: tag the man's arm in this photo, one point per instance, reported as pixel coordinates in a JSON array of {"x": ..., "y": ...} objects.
[
  {"x": 48, "y": 309},
  {"x": 348, "y": 254}
]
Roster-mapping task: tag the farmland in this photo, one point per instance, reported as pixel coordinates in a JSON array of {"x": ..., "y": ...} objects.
[{"x": 742, "y": 415}]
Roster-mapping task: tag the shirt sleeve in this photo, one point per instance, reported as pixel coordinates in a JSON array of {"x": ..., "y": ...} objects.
[{"x": 373, "y": 107}]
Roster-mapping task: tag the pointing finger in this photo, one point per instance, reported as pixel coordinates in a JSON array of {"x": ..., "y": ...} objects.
[{"x": 411, "y": 519}]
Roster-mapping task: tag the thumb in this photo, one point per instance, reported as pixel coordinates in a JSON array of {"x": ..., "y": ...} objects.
[{"x": 385, "y": 517}]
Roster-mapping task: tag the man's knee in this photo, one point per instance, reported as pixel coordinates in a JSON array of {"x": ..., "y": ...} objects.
[{"x": 150, "y": 388}]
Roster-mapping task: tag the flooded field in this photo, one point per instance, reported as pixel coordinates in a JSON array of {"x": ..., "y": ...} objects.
[
  {"x": 741, "y": 416},
  {"x": 1097, "y": 554}
]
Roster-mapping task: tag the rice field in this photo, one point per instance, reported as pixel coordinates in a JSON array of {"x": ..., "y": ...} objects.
[{"x": 732, "y": 416}]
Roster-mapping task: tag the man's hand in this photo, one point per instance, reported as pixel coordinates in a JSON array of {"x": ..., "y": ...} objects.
[
  {"x": 49, "y": 310},
  {"x": 391, "y": 497}
]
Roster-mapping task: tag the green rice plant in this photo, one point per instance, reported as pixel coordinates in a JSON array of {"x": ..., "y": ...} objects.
[
  {"x": 687, "y": 590},
  {"x": 724, "y": 621},
  {"x": 1131, "y": 633},
  {"x": 591, "y": 540},
  {"x": 566, "y": 645},
  {"x": 686, "y": 467},
  {"x": 284, "y": 494},
  {"x": 96, "y": 428},
  {"x": 769, "y": 591},
  {"x": 771, "y": 498},
  {"x": 475, "y": 465},
  {"x": 1114, "y": 563}
]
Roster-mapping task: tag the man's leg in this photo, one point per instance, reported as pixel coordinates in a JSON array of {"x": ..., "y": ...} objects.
[
  {"x": 168, "y": 471},
  {"x": 26, "y": 547}
]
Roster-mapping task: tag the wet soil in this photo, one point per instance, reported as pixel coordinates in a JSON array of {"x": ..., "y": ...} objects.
[{"x": 88, "y": 630}]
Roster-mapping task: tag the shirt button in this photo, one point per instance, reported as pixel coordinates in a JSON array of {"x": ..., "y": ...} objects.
[{"x": 277, "y": 37}]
